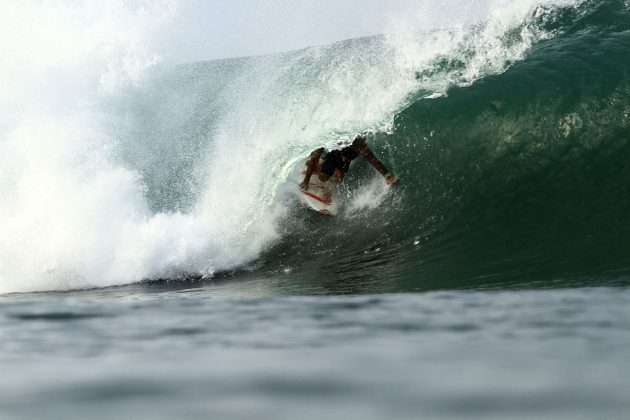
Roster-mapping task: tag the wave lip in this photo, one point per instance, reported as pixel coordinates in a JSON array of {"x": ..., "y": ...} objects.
[{"x": 181, "y": 170}]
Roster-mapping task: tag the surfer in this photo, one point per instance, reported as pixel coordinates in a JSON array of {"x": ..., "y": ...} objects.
[{"x": 338, "y": 161}]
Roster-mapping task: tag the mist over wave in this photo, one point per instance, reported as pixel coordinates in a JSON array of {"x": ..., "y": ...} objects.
[{"x": 116, "y": 167}]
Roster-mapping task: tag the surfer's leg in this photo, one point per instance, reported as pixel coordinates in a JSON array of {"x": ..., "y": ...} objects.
[
  {"x": 327, "y": 168},
  {"x": 323, "y": 177}
]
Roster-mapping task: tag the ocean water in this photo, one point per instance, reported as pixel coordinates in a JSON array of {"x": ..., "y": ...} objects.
[
  {"x": 235, "y": 351},
  {"x": 155, "y": 259}
]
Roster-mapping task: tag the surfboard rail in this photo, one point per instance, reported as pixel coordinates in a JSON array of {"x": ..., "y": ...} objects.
[{"x": 320, "y": 194}]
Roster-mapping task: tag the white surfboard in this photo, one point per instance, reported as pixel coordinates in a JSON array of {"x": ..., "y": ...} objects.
[{"x": 320, "y": 195}]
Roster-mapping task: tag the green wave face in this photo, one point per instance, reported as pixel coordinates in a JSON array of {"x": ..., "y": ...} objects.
[{"x": 520, "y": 178}]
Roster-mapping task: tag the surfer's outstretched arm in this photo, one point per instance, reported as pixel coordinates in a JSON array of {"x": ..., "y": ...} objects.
[
  {"x": 313, "y": 160},
  {"x": 360, "y": 146}
]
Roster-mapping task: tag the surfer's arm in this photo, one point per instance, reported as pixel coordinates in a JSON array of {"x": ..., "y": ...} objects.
[
  {"x": 377, "y": 164},
  {"x": 310, "y": 167}
]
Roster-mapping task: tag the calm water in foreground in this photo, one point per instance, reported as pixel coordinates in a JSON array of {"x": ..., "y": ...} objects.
[{"x": 230, "y": 351}]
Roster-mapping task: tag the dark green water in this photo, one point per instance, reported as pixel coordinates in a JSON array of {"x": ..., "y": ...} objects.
[{"x": 519, "y": 179}]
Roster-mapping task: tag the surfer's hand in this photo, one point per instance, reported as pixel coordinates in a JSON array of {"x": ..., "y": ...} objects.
[
  {"x": 303, "y": 186},
  {"x": 390, "y": 179}
]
